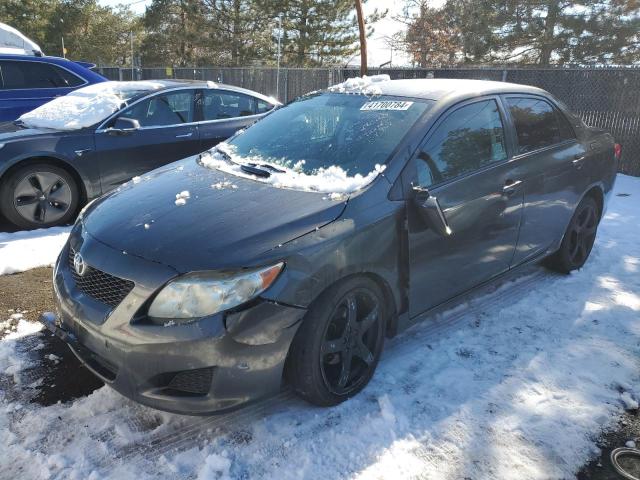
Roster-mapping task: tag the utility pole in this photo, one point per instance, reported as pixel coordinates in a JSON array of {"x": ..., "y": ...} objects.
[
  {"x": 132, "y": 56},
  {"x": 363, "y": 38},
  {"x": 64, "y": 50},
  {"x": 279, "y": 50}
]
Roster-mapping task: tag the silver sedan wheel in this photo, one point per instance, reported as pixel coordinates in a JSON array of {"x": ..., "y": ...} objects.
[{"x": 42, "y": 197}]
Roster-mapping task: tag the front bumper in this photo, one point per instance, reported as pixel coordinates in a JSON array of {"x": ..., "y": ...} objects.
[{"x": 210, "y": 365}]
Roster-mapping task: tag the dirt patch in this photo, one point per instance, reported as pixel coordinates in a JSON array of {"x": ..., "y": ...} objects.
[
  {"x": 601, "y": 468},
  {"x": 59, "y": 374},
  {"x": 29, "y": 292}
]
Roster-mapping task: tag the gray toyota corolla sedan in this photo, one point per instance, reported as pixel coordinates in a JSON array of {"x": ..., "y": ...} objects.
[{"x": 290, "y": 252}]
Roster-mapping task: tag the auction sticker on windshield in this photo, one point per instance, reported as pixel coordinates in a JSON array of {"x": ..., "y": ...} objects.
[{"x": 386, "y": 105}]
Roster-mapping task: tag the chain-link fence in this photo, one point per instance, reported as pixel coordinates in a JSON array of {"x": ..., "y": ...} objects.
[{"x": 607, "y": 98}]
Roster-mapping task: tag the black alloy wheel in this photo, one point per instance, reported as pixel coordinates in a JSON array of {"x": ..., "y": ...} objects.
[
  {"x": 578, "y": 239},
  {"x": 350, "y": 339},
  {"x": 337, "y": 348}
]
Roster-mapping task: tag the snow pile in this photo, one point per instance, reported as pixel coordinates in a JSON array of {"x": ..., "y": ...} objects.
[
  {"x": 22, "y": 251},
  {"x": 517, "y": 383},
  {"x": 332, "y": 180},
  {"x": 84, "y": 107},
  {"x": 361, "y": 85},
  {"x": 628, "y": 401},
  {"x": 223, "y": 185},
  {"x": 182, "y": 197},
  {"x": 12, "y": 364}
]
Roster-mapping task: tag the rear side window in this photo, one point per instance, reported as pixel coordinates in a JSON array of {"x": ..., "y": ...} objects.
[
  {"x": 538, "y": 124},
  {"x": 162, "y": 110},
  {"x": 468, "y": 139},
  {"x": 27, "y": 74},
  {"x": 69, "y": 79},
  {"x": 218, "y": 105},
  {"x": 263, "y": 107}
]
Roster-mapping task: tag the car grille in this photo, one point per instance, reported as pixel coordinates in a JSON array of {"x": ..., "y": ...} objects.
[
  {"x": 194, "y": 382},
  {"x": 99, "y": 285}
]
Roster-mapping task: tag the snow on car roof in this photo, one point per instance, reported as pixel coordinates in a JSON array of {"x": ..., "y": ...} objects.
[
  {"x": 14, "y": 42},
  {"x": 86, "y": 106},
  {"x": 427, "y": 88}
]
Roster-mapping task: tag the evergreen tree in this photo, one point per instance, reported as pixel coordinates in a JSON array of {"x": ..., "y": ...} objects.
[
  {"x": 534, "y": 32},
  {"x": 316, "y": 32},
  {"x": 175, "y": 33},
  {"x": 239, "y": 31}
]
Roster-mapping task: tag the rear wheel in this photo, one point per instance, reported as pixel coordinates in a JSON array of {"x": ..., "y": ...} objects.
[
  {"x": 39, "y": 195},
  {"x": 337, "y": 348},
  {"x": 578, "y": 239}
]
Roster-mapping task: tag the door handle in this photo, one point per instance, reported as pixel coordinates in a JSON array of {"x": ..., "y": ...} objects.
[
  {"x": 577, "y": 160},
  {"x": 510, "y": 186},
  {"x": 185, "y": 135},
  {"x": 82, "y": 152}
]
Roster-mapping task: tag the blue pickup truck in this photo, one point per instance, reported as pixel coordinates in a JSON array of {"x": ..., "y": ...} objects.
[{"x": 28, "y": 81}]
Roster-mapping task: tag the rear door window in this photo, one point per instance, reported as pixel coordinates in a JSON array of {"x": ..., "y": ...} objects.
[
  {"x": 468, "y": 139},
  {"x": 538, "y": 124},
  {"x": 263, "y": 107},
  {"x": 32, "y": 74},
  {"x": 69, "y": 79},
  {"x": 218, "y": 105}
]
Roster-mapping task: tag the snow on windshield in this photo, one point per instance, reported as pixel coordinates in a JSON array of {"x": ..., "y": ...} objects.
[
  {"x": 86, "y": 106},
  {"x": 363, "y": 85},
  {"x": 332, "y": 180}
]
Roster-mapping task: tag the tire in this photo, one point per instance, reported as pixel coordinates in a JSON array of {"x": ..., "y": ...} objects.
[
  {"x": 578, "y": 239},
  {"x": 39, "y": 195},
  {"x": 324, "y": 344}
]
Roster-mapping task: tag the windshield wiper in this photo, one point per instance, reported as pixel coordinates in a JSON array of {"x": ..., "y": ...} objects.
[
  {"x": 253, "y": 170},
  {"x": 268, "y": 166},
  {"x": 258, "y": 169}
]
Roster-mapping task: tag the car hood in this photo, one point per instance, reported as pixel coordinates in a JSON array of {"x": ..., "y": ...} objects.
[
  {"x": 10, "y": 131},
  {"x": 219, "y": 226}
]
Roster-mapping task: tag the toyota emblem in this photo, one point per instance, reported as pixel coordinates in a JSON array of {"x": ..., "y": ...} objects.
[{"x": 79, "y": 265}]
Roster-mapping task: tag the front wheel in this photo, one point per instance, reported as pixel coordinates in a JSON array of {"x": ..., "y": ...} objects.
[
  {"x": 578, "y": 239},
  {"x": 336, "y": 350},
  {"x": 39, "y": 195}
]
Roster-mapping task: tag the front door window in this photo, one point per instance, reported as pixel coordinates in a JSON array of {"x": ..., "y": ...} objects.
[{"x": 468, "y": 139}]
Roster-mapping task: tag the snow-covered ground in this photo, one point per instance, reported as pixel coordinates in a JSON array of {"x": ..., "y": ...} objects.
[
  {"x": 518, "y": 382},
  {"x": 23, "y": 251}
]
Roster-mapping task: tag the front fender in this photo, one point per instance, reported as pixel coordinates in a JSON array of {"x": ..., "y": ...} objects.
[
  {"x": 59, "y": 151},
  {"x": 348, "y": 246}
]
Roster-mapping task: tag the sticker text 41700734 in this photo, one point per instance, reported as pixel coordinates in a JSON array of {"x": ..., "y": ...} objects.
[{"x": 386, "y": 105}]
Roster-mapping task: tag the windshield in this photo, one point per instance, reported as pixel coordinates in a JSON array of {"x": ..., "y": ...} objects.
[
  {"x": 330, "y": 142},
  {"x": 353, "y": 132},
  {"x": 86, "y": 106}
]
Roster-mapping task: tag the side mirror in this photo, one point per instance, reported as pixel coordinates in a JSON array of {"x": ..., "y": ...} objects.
[
  {"x": 430, "y": 210},
  {"x": 124, "y": 126}
]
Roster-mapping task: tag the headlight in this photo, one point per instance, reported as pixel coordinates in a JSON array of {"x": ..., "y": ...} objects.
[{"x": 201, "y": 294}]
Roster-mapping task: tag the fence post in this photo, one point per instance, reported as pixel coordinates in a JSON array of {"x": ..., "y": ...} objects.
[{"x": 286, "y": 87}]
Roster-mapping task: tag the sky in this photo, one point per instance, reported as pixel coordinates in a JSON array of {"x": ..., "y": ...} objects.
[{"x": 379, "y": 52}]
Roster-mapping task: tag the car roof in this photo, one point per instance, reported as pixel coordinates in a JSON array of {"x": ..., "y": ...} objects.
[
  {"x": 441, "y": 88},
  {"x": 204, "y": 84},
  {"x": 36, "y": 58},
  {"x": 80, "y": 69}
]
